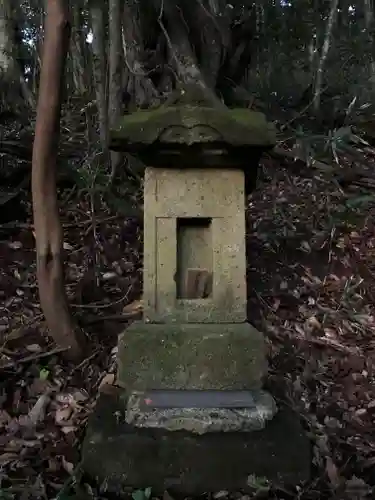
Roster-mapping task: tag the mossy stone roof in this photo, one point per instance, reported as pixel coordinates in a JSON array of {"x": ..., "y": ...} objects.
[{"x": 189, "y": 121}]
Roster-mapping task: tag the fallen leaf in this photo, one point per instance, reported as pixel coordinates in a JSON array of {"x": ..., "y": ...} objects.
[
  {"x": 44, "y": 374},
  {"x": 63, "y": 414},
  {"x": 67, "y": 429},
  {"x": 68, "y": 466},
  {"x": 33, "y": 348},
  {"x": 6, "y": 458},
  {"x": 109, "y": 275},
  {"x": 332, "y": 472},
  {"x": 136, "y": 306},
  {"x": 356, "y": 488},
  {"x": 108, "y": 379},
  {"x": 305, "y": 246},
  {"x": 220, "y": 494},
  {"x": 15, "y": 245},
  {"x": 37, "y": 413},
  {"x": 67, "y": 246}
]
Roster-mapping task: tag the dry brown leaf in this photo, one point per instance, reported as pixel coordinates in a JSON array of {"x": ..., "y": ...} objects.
[
  {"x": 67, "y": 429},
  {"x": 15, "y": 245},
  {"x": 37, "y": 412},
  {"x": 332, "y": 472},
  {"x": 134, "y": 307},
  {"x": 63, "y": 414},
  {"x": 68, "y": 466},
  {"x": 5, "y": 418},
  {"x": 80, "y": 396},
  {"x": 313, "y": 323},
  {"x": 108, "y": 379},
  {"x": 6, "y": 458},
  {"x": 356, "y": 488}
]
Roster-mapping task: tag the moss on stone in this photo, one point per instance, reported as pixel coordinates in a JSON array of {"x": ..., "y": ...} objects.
[
  {"x": 191, "y": 356},
  {"x": 120, "y": 456},
  {"x": 184, "y": 122}
]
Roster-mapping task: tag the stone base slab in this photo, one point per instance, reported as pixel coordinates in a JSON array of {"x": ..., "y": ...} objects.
[
  {"x": 122, "y": 457},
  {"x": 227, "y": 356},
  {"x": 202, "y": 420}
]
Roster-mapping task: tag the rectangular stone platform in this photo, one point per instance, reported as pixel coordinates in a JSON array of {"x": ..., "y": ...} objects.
[
  {"x": 191, "y": 356},
  {"x": 121, "y": 456}
]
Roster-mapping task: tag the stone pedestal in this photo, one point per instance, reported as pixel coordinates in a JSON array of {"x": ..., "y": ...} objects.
[
  {"x": 224, "y": 356},
  {"x": 120, "y": 456}
]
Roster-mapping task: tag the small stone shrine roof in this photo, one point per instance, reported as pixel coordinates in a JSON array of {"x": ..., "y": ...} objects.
[{"x": 191, "y": 117}]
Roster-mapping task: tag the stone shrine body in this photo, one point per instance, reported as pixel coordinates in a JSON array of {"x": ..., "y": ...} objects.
[{"x": 192, "y": 371}]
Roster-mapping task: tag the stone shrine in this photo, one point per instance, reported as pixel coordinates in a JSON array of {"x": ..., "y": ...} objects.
[{"x": 190, "y": 412}]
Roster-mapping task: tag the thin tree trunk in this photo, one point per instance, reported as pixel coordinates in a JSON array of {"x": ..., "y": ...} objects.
[
  {"x": 76, "y": 50},
  {"x": 369, "y": 21},
  {"x": 324, "y": 53},
  {"x": 48, "y": 230},
  {"x": 115, "y": 74},
  {"x": 81, "y": 68},
  {"x": 100, "y": 69},
  {"x": 14, "y": 85},
  {"x": 6, "y": 43}
]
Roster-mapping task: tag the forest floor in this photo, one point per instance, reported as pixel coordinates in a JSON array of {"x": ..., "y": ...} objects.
[{"x": 311, "y": 280}]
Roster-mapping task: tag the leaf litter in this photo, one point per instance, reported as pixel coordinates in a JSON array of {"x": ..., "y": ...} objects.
[{"x": 311, "y": 269}]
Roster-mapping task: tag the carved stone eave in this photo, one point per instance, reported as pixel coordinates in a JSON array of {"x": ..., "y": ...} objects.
[
  {"x": 215, "y": 155},
  {"x": 192, "y": 125}
]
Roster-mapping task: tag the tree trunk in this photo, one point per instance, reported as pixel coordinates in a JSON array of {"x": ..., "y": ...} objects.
[
  {"x": 139, "y": 85},
  {"x": 323, "y": 55},
  {"x": 48, "y": 230},
  {"x": 80, "y": 73},
  {"x": 100, "y": 69},
  {"x": 198, "y": 42},
  {"x": 115, "y": 74},
  {"x": 13, "y": 84},
  {"x": 182, "y": 55},
  {"x": 6, "y": 43},
  {"x": 369, "y": 22},
  {"x": 81, "y": 68}
]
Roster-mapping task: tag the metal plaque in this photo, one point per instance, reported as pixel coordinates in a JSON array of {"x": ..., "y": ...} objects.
[{"x": 195, "y": 399}]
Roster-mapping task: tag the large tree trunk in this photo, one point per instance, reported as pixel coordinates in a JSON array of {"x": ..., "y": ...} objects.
[
  {"x": 48, "y": 230},
  {"x": 196, "y": 42}
]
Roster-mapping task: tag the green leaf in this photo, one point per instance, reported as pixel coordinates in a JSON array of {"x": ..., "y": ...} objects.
[
  {"x": 138, "y": 495},
  {"x": 6, "y": 495},
  {"x": 44, "y": 374},
  {"x": 361, "y": 200},
  {"x": 342, "y": 133},
  {"x": 142, "y": 494}
]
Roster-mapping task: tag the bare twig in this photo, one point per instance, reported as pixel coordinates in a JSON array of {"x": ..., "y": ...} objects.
[{"x": 33, "y": 357}]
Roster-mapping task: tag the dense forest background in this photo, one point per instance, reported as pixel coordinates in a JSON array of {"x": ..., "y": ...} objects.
[{"x": 308, "y": 64}]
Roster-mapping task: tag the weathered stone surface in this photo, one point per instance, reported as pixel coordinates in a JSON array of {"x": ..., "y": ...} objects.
[
  {"x": 190, "y": 356},
  {"x": 119, "y": 455},
  {"x": 202, "y": 420},
  {"x": 192, "y": 119},
  {"x": 171, "y": 196}
]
